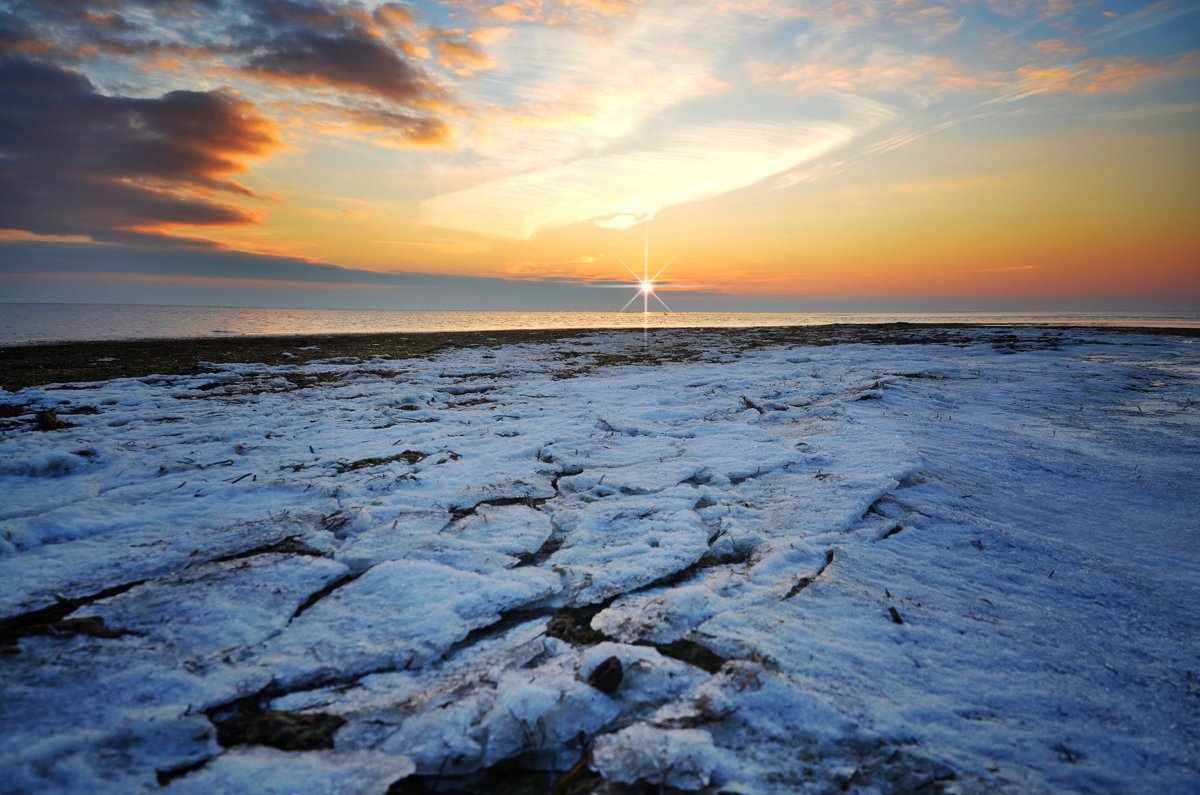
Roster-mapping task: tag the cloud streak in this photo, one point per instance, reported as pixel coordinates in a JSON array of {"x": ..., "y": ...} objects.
[
  {"x": 86, "y": 272},
  {"x": 622, "y": 189},
  {"x": 603, "y": 126}
]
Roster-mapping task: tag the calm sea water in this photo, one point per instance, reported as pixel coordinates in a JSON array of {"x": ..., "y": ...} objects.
[{"x": 26, "y": 323}]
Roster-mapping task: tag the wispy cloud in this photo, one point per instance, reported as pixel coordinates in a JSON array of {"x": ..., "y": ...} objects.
[
  {"x": 579, "y": 125},
  {"x": 1001, "y": 269},
  {"x": 882, "y": 70},
  {"x": 1097, "y": 75},
  {"x": 556, "y": 93},
  {"x": 573, "y": 13},
  {"x": 1149, "y": 16},
  {"x": 619, "y": 190},
  {"x": 646, "y": 105},
  {"x": 1149, "y": 111}
]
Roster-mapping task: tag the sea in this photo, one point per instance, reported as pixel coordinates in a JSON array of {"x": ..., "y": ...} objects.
[{"x": 22, "y": 324}]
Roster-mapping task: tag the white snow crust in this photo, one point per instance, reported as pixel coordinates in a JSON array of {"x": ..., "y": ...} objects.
[{"x": 867, "y": 568}]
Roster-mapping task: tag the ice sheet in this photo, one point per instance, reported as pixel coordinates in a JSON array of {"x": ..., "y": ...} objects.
[{"x": 864, "y": 567}]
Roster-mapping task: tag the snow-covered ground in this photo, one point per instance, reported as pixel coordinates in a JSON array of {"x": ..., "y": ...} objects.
[{"x": 863, "y": 567}]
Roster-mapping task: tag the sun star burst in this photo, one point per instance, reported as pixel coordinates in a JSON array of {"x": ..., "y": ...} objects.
[{"x": 646, "y": 284}]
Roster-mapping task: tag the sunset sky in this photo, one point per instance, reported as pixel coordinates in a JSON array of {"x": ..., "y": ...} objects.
[{"x": 872, "y": 155}]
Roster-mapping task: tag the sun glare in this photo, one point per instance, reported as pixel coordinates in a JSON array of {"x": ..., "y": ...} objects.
[
  {"x": 646, "y": 286},
  {"x": 646, "y": 283}
]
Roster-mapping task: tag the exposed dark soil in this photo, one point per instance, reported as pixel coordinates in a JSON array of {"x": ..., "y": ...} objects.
[
  {"x": 287, "y": 731},
  {"x": 68, "y": 362},
  {"x": 72, "y": 362},
  {"x": 408, "y": 457},
  {"x": 515, "y": 777},
  {"x": 54, "y": 620}
]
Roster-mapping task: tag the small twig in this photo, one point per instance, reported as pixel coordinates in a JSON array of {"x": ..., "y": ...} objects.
[{"x": 571, "y": 776}]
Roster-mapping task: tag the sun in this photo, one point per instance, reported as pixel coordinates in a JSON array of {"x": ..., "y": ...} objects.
[{"x": 646, "y": 284}]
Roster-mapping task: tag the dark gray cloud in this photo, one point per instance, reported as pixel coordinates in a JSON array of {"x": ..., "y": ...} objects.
[
  {"x": 73, "y": 272},
  {"x": 341, "y": 46},
  {"x": 84, "y": 258},
  {"x": 347, "y": 60},
  {"x": 79, "y": 30},
  {"x": 18, "y": 36},
  {"x": 74, "y": 161},
  {"x": 138, "y": 274},
  {"x": 77, "y": 161},
  {"x": 82, "y": 9}
]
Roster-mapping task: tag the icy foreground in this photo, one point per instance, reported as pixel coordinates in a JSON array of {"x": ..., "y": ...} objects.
[{"x": 866, "y": 567}]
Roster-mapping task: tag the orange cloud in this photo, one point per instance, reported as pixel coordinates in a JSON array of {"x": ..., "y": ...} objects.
[
  {"x": 930, "y": 22},
  {"x": 1058, "y": 47},
  {"x": 373, "y": 122},
  {"x": 393, "y": 16},
  {"x": 842, "y": 13},
  {"x": 1127, "y": 74},
  {"x": 1099, "y": 76},
  {"x": 1041, "y": 9},
  {"x": 461, "y": 52},
  {"x": 911, "y": 72},
  {"x": 582, "y": 13},
  {"x": 1048, "y": 79}
]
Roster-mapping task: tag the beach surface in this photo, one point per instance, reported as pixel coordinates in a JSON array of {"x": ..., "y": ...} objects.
[{"x": 872, "y": 559}]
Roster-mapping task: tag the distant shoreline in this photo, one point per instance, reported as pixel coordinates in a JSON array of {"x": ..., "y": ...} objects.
[
  {"x": 38, "y": 363},
  {"x": 22, "y": 324}
]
